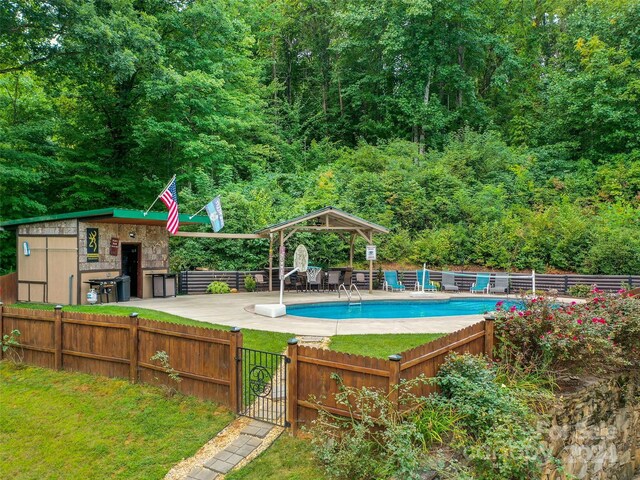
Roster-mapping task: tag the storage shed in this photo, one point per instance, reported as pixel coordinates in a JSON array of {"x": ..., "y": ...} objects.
[{"x": 58, "y": 256}]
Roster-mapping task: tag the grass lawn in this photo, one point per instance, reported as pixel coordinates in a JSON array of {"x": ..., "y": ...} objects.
[
  {"x": 256, "y": 339},
  {"x": 69, "y": 425},
  {"x": 380, "y": 345},
  {"x": 287, "y": 459}
]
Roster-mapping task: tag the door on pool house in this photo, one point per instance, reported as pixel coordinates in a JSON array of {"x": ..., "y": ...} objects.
[{"x": 132, "y": 266}]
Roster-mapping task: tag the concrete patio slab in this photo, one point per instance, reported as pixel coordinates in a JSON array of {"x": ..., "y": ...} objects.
[{"x": 236, "y": 310}]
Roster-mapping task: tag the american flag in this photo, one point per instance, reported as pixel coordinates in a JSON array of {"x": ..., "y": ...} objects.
[{"x": 170, "y": 198}]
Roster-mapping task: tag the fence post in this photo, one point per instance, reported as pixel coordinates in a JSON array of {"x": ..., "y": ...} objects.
[
  {"x": 488, "y": 335},
  {"x": 1, "y": 329},
  {"x": 133, "y": 348},
  {"x": 394, "y": 379},
  {"x": 237, "y": 280},
  {"x": 292, "y": 385},
  {"x": 566, "y": 284},
  {"x": 57, "y": 337},
  {"x": 234, "y": 387}
]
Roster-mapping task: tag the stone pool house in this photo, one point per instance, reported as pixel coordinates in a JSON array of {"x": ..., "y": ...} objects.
[{"x": 57, "y": 255}]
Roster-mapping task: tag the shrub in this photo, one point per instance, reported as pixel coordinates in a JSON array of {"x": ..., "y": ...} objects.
[
  {"x": 218, "y": 287},
  {"x": 374, "y": 442},
  {"x": 436, "y": 422},
  {"x": 503, "y": 443},
  {"x": 11, "y": 347},
  {"x": 602, "y": 334},
  {"x": 249, "y": 283},
  {"x": 580, "y": 291},
  {"x": 162, "y": 358}
]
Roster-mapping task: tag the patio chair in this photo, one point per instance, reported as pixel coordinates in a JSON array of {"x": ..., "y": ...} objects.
[
  {"x": 500, "y": 285},
  {"x": 260, "y": 281},
  {"x": 333, "y": 280},
  {"x": 391, "y": 281},
  {"x": 302, "y": 281},
  {"x": 316, "y": 282},
  {"x": 360, "y": 278},
  {"x": 481, "y": 284},
  {"x": 292, "y": 281},
  {"x": 346, "y": 280},
  {"x": 449, "y": 282},
  {"x": 428, "y": 286}
]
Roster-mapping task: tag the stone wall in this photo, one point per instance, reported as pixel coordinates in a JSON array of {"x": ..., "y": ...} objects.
[
  {"x": 61, "y": 227},
  {"x": 595, "y": 431},
  {"x": 153, "y": 239}
]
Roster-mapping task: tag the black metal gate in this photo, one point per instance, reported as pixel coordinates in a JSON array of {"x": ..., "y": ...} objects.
[{"x": 262, "y": 385}]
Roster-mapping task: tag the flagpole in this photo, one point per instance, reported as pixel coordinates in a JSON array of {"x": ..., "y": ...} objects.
[
  {"x": 154, "y": 202},
  {"x": 198, "y": 212}
]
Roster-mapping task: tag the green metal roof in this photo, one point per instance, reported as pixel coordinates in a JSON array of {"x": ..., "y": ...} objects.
[{"x": 106, "y": 213}]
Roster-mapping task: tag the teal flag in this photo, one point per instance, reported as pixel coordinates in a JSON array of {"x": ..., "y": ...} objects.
[{"x": 214, "y": 210}]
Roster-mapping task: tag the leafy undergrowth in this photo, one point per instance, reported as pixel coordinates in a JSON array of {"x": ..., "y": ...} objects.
[
  {"x": 287, "y": 459},
  {"x": 474, "y": 428},
  {"x": 256, "y": 339},
  {"x": 70, "y": 425},
  {"x": 380, "y": 345}
]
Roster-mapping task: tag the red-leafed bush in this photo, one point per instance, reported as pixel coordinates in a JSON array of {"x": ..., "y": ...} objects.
[{"x": 599, "y": 335}]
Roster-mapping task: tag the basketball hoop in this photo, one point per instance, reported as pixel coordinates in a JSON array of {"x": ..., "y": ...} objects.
[
  {"x": 313, "y": 272},
  {"x": 300, "y": 264},
  {"x": 301, "y": 259}
]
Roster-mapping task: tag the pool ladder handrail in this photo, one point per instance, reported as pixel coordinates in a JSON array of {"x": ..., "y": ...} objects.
[{"x": 349, "y": 293}]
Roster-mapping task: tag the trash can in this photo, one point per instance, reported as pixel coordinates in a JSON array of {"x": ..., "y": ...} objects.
[
  {"x": 123, "y": 285},
  {"x": 164, "y": 284}
]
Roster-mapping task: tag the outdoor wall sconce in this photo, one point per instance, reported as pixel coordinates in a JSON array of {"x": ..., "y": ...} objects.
[{"x": 132, "y": 234}]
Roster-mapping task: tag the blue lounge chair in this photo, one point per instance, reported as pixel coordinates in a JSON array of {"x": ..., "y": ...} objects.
[
  {"x": 428, "y": 286},
  {"x": 391, "y": 281},
  {"x": 482, "y": 283}
]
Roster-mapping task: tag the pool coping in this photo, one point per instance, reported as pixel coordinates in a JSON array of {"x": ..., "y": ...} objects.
[{"x": 231, "y": 310}]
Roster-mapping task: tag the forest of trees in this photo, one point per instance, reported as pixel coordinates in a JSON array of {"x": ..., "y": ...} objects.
[{"x": 497, "y": 133}]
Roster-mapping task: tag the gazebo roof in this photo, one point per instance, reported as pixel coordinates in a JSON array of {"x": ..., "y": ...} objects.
[{"x": 326, "y": 219}]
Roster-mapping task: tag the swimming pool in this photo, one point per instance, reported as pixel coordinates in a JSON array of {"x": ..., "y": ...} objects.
[{"x": 398, "y": 308}]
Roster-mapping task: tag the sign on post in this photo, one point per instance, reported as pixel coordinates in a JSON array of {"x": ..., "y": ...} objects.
[
  {"x": 371, "y": 252},
  {"x": 281, "y": 261}
]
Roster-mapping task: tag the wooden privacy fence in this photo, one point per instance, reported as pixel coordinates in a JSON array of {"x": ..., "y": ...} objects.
[
  {"x": 117, "y": 346},
  {"x": 9, "y": 288},
  {"x": 310, "y": 370},
  {"x": 195, "y": 282}
]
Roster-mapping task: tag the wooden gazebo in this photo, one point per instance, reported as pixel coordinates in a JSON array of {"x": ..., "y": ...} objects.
[{"x": 328, "y": 219}]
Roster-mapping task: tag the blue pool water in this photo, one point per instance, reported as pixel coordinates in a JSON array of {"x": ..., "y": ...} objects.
[{"x": 398, "y": 308}]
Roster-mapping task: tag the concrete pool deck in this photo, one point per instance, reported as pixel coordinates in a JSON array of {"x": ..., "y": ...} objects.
[{"x": 236, "y": 310}]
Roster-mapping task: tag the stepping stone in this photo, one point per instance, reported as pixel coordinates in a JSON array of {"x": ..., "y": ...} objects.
[
  {"x": 242, "y": 441},
  {"x": 199, "y": 473},
  {"x": 279, "y": 392},
  {"x": 257, "y": 429},
  {"x": 223, "y": 461},
  {"x": 218, "y": 466}
]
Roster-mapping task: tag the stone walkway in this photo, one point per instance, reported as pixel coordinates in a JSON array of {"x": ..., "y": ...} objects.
[{"x": 251, "y": 438}]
